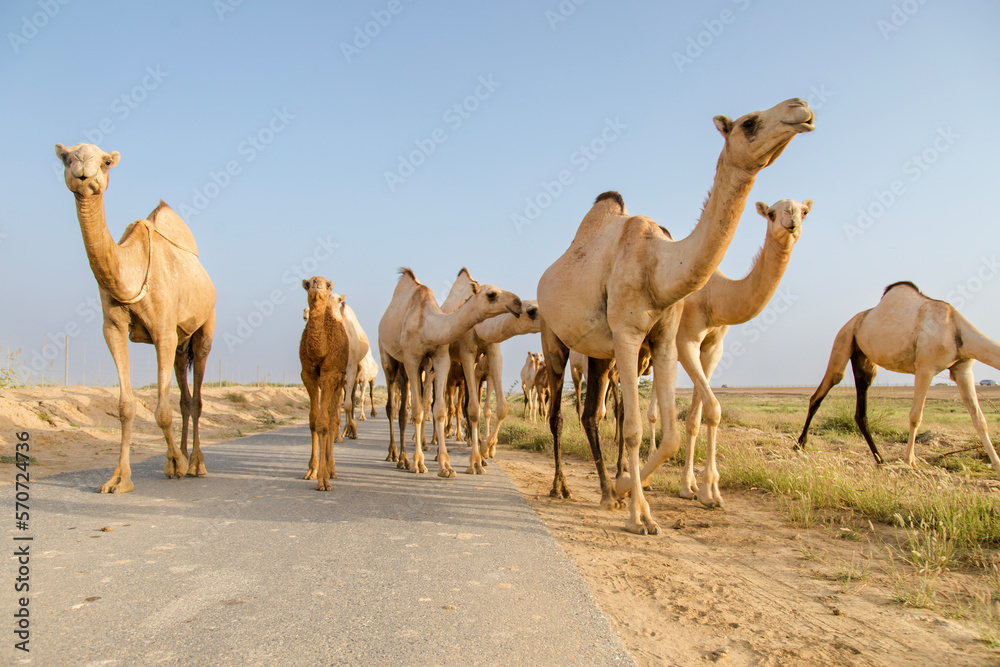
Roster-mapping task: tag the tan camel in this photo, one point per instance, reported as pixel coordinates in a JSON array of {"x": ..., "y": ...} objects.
[
  {"x": 415, "y": 332},
  {"x": 153, "y": 290},
  {"x": 707, "y": 316},
  {"x": 528, "y": 372},
  {"x": 367, "y": 372},
  {"x": 485, "y": 339},
  {"x": 324, "y": 351},
  {"x": 908, "y": 332},
  {"x": 621, "y": 282},
  {"x": 359, "y": 347}
]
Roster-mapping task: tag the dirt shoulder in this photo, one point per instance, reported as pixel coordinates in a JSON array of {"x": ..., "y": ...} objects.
[
  {"x": 77, "y": 428},
  {"x": 738, "y": 586}
]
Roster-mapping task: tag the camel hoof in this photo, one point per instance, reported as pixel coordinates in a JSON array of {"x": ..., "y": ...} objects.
[
  {"x": 121, "y": 486},
  {"x": 475, "y": 469},
  {"x": 403, "y": 464},
  {"x": 324, "y": 485},
  {"x": 200, "y": 471},
  {"x": 446, "y": 473},
  {"x": 390, "y": 457},
  {"x": 419, "y": 469},
  {"x": 374, "y": 414},
  {"x": 688, "y": 493},
  {"x": 175, "y": 467},
  {"x": 636, "y": 529},
  {"x": 350, "y": 432}
]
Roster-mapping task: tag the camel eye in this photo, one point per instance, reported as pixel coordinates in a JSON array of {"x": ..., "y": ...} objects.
[
  {"x": 491, "y": 296},
  {"x": 770, "y": 216},
  {"x": 107, "y": 162},
  {"x": 748, "y": 123}
]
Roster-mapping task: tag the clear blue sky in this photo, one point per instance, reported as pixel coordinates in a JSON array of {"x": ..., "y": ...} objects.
[{"x": 310, "y": 115}]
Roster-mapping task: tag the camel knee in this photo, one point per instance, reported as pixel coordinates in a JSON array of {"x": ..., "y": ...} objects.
[
  {"x": 126, "y": 408},
  {"x": 711, "y": 412},
  {"x": 163, "y": 416}
]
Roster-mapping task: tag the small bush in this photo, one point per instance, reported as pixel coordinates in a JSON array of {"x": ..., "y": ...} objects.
[{"x": 236, "y": 397}]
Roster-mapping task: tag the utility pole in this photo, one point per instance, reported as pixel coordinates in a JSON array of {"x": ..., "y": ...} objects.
[{"x": 66, "y": 364}]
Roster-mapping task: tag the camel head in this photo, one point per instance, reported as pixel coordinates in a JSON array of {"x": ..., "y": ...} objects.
[
  {"x": 785, "y": 217},
  {"x": 755, "y": 140},
  {"x": 495, "y": 301},
  {"x": 530, "y": 308},
  {"x": 318, "y": 291},
  {"x": 86, "y": 168}
]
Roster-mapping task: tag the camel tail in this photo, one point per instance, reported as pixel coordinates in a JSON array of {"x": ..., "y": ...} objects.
[{"x": 974, "y": 343}]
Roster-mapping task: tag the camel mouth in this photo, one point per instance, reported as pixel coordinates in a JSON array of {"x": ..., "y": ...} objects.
[
  {"x": 513, "y": 312},
  {"x": 806, "y": 124}
]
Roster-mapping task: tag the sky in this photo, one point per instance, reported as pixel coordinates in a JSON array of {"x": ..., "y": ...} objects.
[{"x": 349, "y": 139}]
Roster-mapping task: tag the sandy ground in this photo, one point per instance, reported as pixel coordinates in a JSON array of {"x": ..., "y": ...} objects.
[
  {"x": 738, "y": 586},
  {"x": 77, "y": 428}
]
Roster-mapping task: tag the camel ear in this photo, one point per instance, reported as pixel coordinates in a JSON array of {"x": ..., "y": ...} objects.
[
  {"x": 807, "y": 206},
  {"x": 329, "y": 287},
  {"x": 305, "y": 285},
  {"x": 723, "y": 124},
  {"x": 762, "y": 208},
  {"x": 475, "y": 287},
  {"x": 61, "y": 153},
  {"x": 113, "y": 157}
]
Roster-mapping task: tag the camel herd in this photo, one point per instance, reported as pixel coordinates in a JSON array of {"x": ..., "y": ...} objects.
[{"x": 624, "y": 300}]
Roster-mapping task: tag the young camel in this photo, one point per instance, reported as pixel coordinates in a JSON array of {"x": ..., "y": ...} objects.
[
  {"x": 908, "y": 332},
  {"x": 707, "y": 316},
  {"x": 528, "y": 372},
  {"x": 415, "y": 332},
  {"x": 367, "y": 372},
  {"x": 543, "y": 392},
  {"x": 323, "y": 350},
  {"x": 620, "y": 284},
  {"x": 177, "y": 316}
]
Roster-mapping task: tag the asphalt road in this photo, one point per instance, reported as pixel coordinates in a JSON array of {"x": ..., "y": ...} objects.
[{"x": 252, "y": 565}]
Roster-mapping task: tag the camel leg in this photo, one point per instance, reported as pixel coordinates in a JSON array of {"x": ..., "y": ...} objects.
[
  {"x": 391, "y": 367},
  {"x": 351, "y": 402},
  {"x": 843, "y": 348},
  {"x": 653, "y": 416},
  {"x": 921, "y": 383},
  {"x": 116, "y": 336},
  {"x": 627, "y": 344},
  {"x": 176, "y": 464},
  {"x": 494, "y": 383},
  {"x": 361, "y": 393},
  {"x": 577, "y": 387},
  {"x": 961, "y": 373},
  {"x": 371, "y": 397},
  {"x": 337, "y": 388},
  {"x": 402, "y": 387},
  {"x": 323, "y": 430},
  {"x": 442, "y": 363},
  {"x": 201, "y": 345},
  {"x": 864, "y": 372},
  {"x": 556, "y": 355},
  {"x": 593, "y": 410},
  {"x": 417, "y": 416},
  {"x": 701, "y": 368},
  {"x": 180, "y": 372},
  {"x": 311, "y": 382}
]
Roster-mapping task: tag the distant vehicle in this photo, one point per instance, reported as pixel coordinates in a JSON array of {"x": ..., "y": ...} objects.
[{"x": 988, "y": 383}]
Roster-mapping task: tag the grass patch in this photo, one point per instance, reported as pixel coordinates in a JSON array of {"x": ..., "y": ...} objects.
[
  {"x": 236, "y": 397},
  {"x": 13, "y": 459}
]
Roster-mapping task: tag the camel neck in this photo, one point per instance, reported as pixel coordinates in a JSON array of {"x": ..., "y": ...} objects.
[
  {"x": 499, "y": 328},
  {"x": 445, "y": 328},
  {"x": 691, "y": 261},
  {"x": 102, "y": 251},
  {"x": 739, "y": 301}
]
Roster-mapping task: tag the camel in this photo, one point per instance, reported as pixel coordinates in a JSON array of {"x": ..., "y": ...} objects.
[
  {"x": 359, "y": 348},
  {"x": 707, "y": 316},
  {"x": 367, "y": 372},
  {"x": 528, "y": 372},
  {"x": 485, "y": 339},
  {"x": 908, "y": 332},
  {"x": 414, "y": 332},
  {"x": 621, "y": 283},
  {"x": 543, "y": 392},
  {"x": 153, "y": 290},
  {"x": 324, "y": 351}
]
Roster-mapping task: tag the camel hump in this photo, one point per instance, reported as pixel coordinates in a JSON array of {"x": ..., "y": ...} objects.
[
  {"x": 901, "y": 283},
  {"x": 170, "y": 226}
]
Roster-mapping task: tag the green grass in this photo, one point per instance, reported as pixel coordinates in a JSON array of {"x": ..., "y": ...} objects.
[{"x": 13, "y": 459}]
